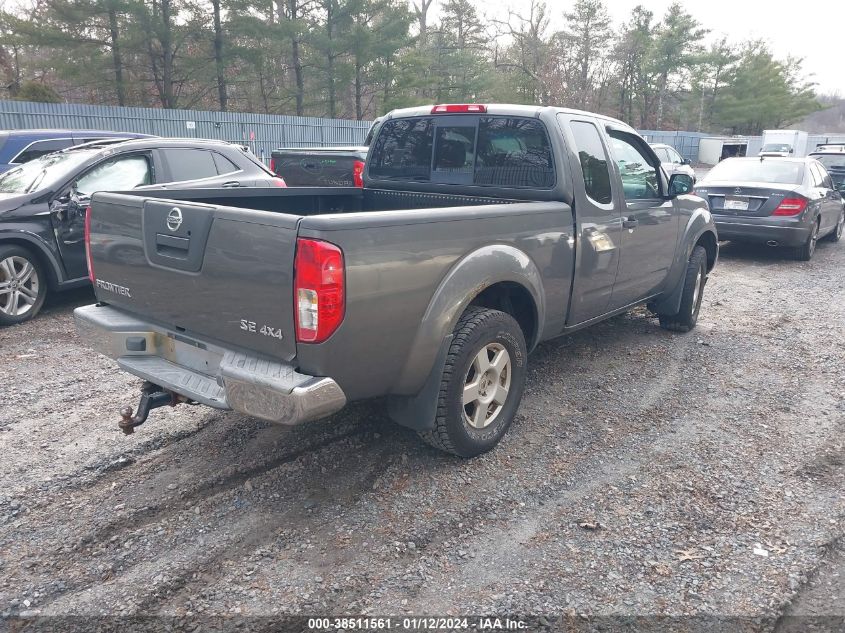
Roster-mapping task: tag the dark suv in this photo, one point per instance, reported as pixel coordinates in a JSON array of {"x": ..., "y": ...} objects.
[
  {"x": 43, "y": 202},
  {"x": 832, "y": 156},
  {"x": 20, "y": 146}
]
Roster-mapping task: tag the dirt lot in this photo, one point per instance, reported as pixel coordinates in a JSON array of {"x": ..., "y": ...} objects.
[{"x": 646, "y": 473}]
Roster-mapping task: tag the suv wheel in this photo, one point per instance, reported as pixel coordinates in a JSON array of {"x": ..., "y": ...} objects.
[
  {"x": 805, "y": 252},
  {"x": 694, "y": 281},
  {"x": 482, "y": 383},
  {"x": 23, "y": 285}
]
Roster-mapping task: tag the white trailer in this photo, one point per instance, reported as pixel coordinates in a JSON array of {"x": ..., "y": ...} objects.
[
  {"x": 712, "y": 150},
  {"x": 784, "y": 143}
]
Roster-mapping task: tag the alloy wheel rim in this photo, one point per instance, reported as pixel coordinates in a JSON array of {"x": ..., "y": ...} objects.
[
  {"x": 840, "y": 225},
  {"x": 486, "y": 386},
  {"x": 19, "y": 285},
  {"x": 814, "y": 237},
  {"x": 696, "y": 292}
]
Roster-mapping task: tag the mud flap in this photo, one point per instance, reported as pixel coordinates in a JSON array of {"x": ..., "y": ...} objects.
[{"x": 418, "y": 412}]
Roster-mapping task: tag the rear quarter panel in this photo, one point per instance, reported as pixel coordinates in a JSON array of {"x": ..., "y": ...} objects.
[{"x": 396, "y": 263}]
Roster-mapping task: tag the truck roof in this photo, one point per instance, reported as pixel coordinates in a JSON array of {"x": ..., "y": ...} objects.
[{"x": 508, "y": 109}]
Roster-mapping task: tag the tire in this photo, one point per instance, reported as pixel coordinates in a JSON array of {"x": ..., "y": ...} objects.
[
  {"x": 837, "y": 232},
  {"x": 23, "y": 284},
  {"x": 804, "y": 253},
  {"x": 695, "y": 279},
  {"x": 474, "y": 428}
]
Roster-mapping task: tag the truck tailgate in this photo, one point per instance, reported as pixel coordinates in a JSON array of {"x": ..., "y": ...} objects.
[{"x": 220, "y": 273}]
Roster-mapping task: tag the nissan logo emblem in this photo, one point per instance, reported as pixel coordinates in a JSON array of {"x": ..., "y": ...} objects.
[{"x": 174, "y": 219}]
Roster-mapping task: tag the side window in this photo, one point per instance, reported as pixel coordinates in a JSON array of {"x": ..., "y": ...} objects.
[
  {"x": 674, "y": 157},
  {"x": 639, "y": 176},
  {"x": 514, "y": 152},
  {"x": 403, "y": 150},
  {"x": 40, "y": 148},
  {"x": 224, "y": 165},
  {"x": 117, "y": 174},
  {"x": 663, "y": 155},
  {"x": 593, "y": 161},
  {"x": 189, "y": 164}
]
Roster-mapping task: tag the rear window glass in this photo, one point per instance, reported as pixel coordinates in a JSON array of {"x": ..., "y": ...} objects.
[
  {"x": 490, "y": 151},
  {"x": 403, "y": 150},
  {"x": 42, "y": 148},
  {"x": 755, "y": 170},
  {"x": 831, "y": 161}
]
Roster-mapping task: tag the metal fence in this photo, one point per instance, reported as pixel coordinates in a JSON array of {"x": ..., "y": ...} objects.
[
  {"x": 261, "y": 132},
  {"x": 685, "y": 142}
]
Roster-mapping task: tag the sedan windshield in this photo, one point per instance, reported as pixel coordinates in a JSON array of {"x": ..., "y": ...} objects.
[
  {"x": 786, "y": 172},
  {"x": 42, "y": 172}
]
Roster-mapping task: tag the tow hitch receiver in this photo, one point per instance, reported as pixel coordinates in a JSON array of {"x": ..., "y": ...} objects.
[{"x": 152, "y": 397}]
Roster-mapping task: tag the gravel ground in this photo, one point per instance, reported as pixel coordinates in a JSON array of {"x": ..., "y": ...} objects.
[{"x": 647, "y": 473}]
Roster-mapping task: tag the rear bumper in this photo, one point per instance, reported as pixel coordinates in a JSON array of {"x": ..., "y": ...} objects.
[
  {"x": 206, "y": 373},
  {"x": 788, "y": 232}
]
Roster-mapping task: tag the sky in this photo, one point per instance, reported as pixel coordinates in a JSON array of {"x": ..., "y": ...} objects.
[{"x": 812, "y": 29}]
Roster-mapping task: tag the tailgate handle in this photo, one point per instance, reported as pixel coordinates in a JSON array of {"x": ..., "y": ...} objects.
[{"x": 172, "y": 246}]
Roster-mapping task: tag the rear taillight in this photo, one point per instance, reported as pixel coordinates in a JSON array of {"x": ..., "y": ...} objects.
[
  {"x": 273, "y": 165},
  {"x": 278, "y": 181},
  {"x": 88, "y": 244},
  {"x": 791, "y": 206},
  {"x": 459, "y": 108},
  {"x": 358, "y": 173},
  {"x": 319, "y": 281}
]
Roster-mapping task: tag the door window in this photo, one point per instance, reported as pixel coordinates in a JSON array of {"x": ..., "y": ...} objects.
[
  {"x": 41, "y": 148},
  {"x": 674, "y": 157},
  {"x": 593, "y": 161},
  {"x": 663, "y": 155},
  {"x": 189, "y": 164},
  {"x": 639, "y": 176},
  {"x": 117, "y": 174}
]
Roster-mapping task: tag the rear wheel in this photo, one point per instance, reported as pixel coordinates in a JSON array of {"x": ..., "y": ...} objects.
[
  {"x": 694, "y": 281},
  {"x": 482, "y": 383},
  {"x": 23, "y": 285},
  {"x": 805, "y": 252},
  {"x": 840, "y": 225}
]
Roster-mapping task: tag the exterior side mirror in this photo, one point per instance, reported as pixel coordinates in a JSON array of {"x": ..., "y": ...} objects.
[
  {"x": 680, "y": 184},
  {"x": 686, "y": 161}
]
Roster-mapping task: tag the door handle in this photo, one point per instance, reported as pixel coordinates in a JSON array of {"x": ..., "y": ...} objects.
[
  {"x": 231, "y": 183},
  {"x": 630, "y": 223}
]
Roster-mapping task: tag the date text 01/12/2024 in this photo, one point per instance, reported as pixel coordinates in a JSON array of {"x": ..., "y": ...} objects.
[{"x": 417, "y": 624}]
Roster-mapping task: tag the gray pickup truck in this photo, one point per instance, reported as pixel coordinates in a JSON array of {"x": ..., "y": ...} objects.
[{"x": 481, "y": 231}]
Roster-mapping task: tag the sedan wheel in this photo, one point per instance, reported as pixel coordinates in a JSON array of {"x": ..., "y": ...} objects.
[
  {"x": 840, "y": 225},
  {"x": 805, "y": 253},
  {"x": 22, "y": 285}
]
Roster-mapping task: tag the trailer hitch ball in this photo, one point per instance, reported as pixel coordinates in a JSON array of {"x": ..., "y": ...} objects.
[{"x": 152, "y": 397}]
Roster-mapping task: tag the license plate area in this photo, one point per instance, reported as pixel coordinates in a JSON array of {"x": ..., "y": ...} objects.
[{"x": 736, "y": 203}]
